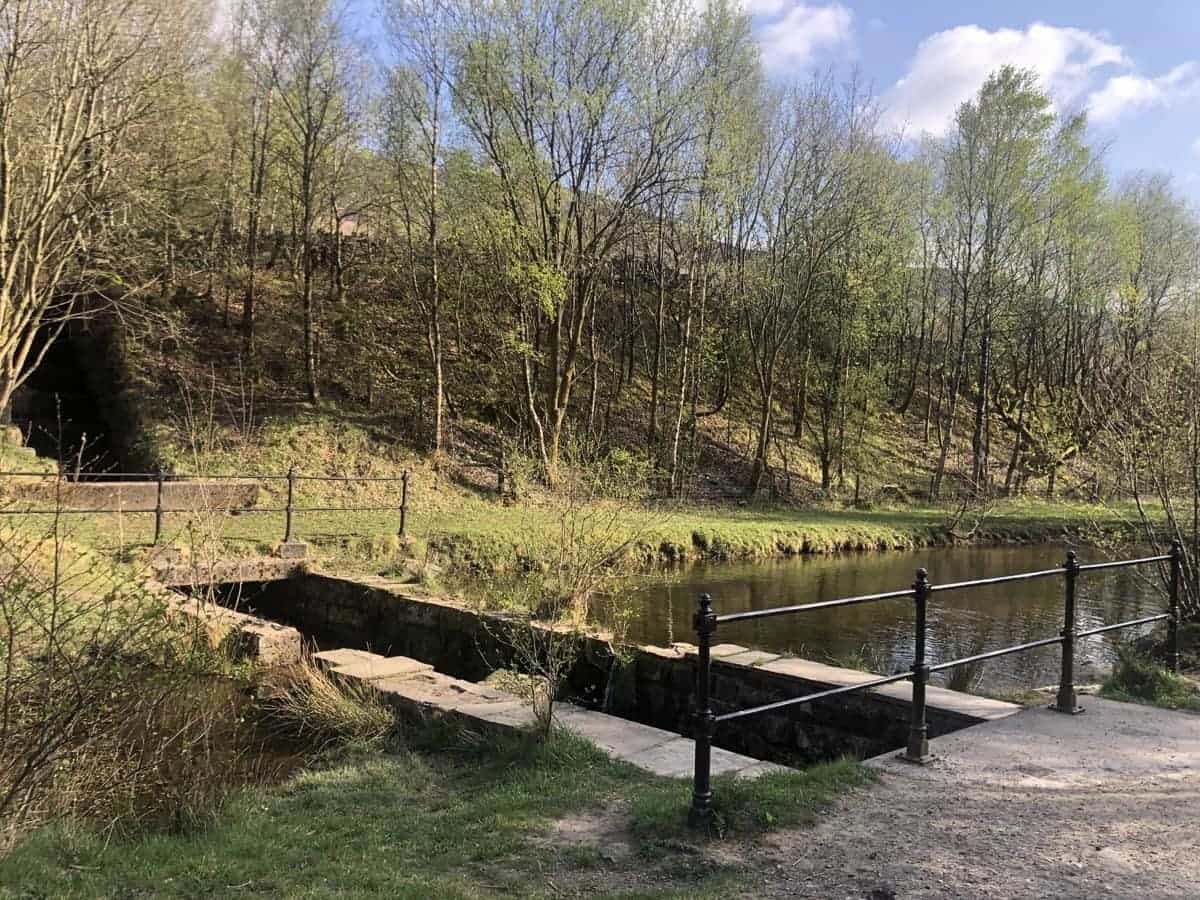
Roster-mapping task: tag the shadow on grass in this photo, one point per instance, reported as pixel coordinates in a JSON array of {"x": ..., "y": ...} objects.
[{"x": 448, "y": 816}]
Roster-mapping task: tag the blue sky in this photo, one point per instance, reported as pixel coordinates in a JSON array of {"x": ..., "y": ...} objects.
[{"x": 1134, "y": 66}]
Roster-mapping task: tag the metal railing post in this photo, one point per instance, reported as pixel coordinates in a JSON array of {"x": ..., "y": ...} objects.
[
  {"x": 704, "y": 724},
  {"x": 291, "y": 502},
  {"x": 403, "y": 504},
  {"x": 1173, "y": 621},
  {"x": 158, "y": 507},
  {"x": 917, "y": 750},
  {"x": 1066, "y": 702}
]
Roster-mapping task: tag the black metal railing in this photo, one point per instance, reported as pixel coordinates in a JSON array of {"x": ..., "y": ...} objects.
[
  {"x": 161, "y": 479},
  {"x": 916, "y": 750}
]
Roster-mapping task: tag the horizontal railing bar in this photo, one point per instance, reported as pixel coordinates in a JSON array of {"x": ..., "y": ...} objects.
[
  {"x": 196, "y": 509},
  {"x": 85, "y": 477},
  {"x": 1130, "y": 624},
  {"x": 186, "y": 476},
  {"x": 807, "y": 607},
  {"x": 809, "y": 698},
  {"x": 1121, "y": 563},
  {"x": 993, "y": 654},
  {"x": 999, "y": 579},
  {"x": 393, "y": 508},
  {"x": 396, "y": 478}
]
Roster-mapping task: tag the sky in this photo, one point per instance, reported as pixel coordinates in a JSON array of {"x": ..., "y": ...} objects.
[{"x": 1133, "y": 65}]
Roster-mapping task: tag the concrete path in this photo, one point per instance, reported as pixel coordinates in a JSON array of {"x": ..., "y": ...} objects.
[
  {"x": 1104, "y": 804},
  {"x": 413, "y": 687}
]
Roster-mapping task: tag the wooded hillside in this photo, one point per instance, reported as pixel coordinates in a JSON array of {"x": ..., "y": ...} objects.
[{"x": 568, "y": 227}]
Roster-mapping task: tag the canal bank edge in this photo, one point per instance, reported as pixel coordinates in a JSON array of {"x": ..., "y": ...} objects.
[{"x": 515, "y": 539}]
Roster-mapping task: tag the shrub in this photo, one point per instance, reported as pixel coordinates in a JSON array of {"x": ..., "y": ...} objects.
[
  {"x": 101, "y": 712},
  {"x": 1138, "y": 679}
]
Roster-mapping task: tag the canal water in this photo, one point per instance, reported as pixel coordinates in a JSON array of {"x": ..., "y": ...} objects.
[{"x": 879, "y": 636}]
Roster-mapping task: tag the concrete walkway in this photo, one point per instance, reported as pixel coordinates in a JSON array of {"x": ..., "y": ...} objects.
[
  {"x": 1104, "y": 804},
  {"x": 413, "y": 687}
]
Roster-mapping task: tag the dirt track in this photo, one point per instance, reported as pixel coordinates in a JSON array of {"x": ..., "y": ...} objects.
[{"x": 1105, "y": 804}]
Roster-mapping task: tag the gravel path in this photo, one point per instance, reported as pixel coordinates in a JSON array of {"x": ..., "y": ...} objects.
[{"x": 1104, "y": 804}]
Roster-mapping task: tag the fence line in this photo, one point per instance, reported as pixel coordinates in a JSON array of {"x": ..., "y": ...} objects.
[
  {"x": 706, "y": 621},
  {"x": 161, "y": 479}
]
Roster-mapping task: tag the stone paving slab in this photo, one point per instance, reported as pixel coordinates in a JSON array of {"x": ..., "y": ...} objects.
[
  {"x": 371, "y": 669},
  {"x": 406, "y": 684},
  {"x": 717, "y": 651},
  {"x": 751, "y": 658},
  {"x": 343, "y": 656},
  {"x": 675, "y": 758}
]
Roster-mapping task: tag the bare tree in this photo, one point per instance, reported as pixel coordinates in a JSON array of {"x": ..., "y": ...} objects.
[
  {"x": 418, "y": 110},
  {"x": 77, "y": 79},
  {"x": 311, "y": 67}
]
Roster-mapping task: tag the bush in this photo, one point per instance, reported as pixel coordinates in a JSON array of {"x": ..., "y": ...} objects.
[
  {"x": 105, "y": 710},
  {"x": 1138, "y": 679}
]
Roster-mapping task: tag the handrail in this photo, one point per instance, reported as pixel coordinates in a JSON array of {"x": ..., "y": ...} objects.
[
  {"x": 160, "y": 510},
  {"x": 999, "y": 579},
  {"x": 1130, "y": 624},
  {"x": 1121, "y": 563},
  {"x": 993, "y": 654},
  {"x": 809, "y": 698},
  {"x": 807, "y": 607},
  {"x": 917, "y": 749},
  {"x": 205, "y": 476}
]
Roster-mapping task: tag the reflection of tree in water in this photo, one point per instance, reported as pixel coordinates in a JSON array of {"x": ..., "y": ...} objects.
[{"x": 879, "y": 635}]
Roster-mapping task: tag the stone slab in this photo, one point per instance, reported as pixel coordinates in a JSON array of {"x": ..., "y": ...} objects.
[
  {"x": 391, "y": 667},
  {"x": 245, "y": 634},
  {"x": 291, "y": 550},
  {"x": 675, "y": 758},
  {"x": 344, "y": 656},
  {"x": 944, "y": 700},
  {"x": 410, "y": 685},
  {"x": 617, "y": 737},
  {"x": 720, "y": 650},
  {"x": 512, "y": 714},
  {"x": 808, "y": 670},
  {"x": 198, "y": 572},
  {"x": 751, "y": 658}
]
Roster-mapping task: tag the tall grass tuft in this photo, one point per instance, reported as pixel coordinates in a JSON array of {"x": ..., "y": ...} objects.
[{"x": 323, "y": 711}]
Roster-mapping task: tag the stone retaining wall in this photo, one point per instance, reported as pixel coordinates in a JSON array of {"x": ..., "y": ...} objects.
[{"x": 654, "y": 687}]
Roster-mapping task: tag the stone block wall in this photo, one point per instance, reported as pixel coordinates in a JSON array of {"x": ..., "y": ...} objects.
[{"x": 654, "y": 687}]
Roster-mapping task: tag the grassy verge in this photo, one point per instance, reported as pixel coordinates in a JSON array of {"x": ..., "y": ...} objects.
[
  {"x": 483, "y": 535},
  {"x": 454, "y": 511},
  {"x": 484, "y": 821},
  {"x": 1136, "y": 679}
]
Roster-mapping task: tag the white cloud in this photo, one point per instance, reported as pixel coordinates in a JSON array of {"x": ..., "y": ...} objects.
[
  {"x": 1125, "y": 93},
  {"x": 766, "y": 8},
  {"x": 793, "y": 38},
  {"x": 950, "y": 66}
]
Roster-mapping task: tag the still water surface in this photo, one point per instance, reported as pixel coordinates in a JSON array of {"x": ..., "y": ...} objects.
[{"x": 880, "y": 635}]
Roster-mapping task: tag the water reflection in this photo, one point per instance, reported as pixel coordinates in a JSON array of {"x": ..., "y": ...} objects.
[{"x": 879, "y": 635}]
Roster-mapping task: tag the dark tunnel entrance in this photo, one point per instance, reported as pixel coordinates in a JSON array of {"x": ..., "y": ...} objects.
[{"x": 60, "y": 414}]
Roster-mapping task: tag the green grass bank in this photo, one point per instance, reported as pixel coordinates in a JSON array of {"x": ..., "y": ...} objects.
[{"x": 503, "y": 818}]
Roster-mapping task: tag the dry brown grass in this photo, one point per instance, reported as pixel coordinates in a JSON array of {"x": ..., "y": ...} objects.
[{"x": 323, "y": 711}]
